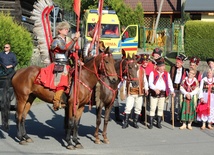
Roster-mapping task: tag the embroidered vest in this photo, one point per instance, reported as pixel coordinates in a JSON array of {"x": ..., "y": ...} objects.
[{"x": 165, "y": 78}]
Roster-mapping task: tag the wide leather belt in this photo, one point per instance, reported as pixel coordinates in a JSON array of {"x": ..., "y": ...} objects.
[{"x": 162, "y": 94}]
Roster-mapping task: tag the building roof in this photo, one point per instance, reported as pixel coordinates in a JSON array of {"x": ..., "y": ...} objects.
[
  {"x": 153, "y": 5},
  {"x": 199, "y": 6}
]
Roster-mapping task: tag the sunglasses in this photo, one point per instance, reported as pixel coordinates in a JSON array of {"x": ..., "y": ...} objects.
[{"x": 6, "y": 47}]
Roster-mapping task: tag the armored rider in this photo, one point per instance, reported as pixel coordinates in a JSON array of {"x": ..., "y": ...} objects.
[{"x": 56, "y": 75}]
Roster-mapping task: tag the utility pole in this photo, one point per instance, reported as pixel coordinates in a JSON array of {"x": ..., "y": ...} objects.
[{"x": 157, "y": 21}]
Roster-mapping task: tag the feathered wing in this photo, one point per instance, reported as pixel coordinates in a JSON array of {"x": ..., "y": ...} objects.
[{"x": 42, "y": 27}]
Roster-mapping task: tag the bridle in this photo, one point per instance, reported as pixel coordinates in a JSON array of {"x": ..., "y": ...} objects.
[{"x": 126, "y": 72}]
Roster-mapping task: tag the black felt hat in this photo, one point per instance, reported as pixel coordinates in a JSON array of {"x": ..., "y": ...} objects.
[
  {"x": 209, "y": 59},
  {"x": 181, "y": 57},
  {"x": 157, "y": 51},
  {"x": 160, "y": 61}
]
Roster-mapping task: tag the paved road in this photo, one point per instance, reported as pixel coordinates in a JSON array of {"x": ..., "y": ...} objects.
[{"x": 46, "y": 129}]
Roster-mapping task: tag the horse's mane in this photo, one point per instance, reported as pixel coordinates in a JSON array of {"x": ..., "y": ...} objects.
[{"x": 87, "y": 59}]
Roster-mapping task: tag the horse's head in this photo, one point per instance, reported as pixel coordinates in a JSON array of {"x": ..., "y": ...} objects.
[
  {"x": 105, "y": 64},
  {"x": 130, "y": 69}
]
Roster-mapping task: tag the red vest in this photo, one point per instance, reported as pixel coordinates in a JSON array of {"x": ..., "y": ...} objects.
[{"x": 165, "y": 78}]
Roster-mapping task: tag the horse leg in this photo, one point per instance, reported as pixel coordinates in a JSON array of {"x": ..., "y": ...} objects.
[
  {"x": 68, "y": 126},
  {"x": 104, "y": 133},
  {"x": 26, "y": 110},
  {"x": 75, "y": 129},
  {"x": 23, "y": 108},
  {"x": 98, "y": 122}
]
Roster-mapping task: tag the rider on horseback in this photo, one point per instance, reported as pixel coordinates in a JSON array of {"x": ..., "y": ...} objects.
[
  {"x": 60, "y": 47},
  {"x": 56, "y": 75}
]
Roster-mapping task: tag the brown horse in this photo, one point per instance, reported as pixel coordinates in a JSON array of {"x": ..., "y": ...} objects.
[
  {"x": 107, "y": 91},
  {"x": 26, "y": 90}
]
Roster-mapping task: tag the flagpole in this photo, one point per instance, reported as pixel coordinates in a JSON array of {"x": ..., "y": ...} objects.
[
  {"x": 100, "y": 9},
  {"x": 77, "y": 11},
  {"x": 97, "y": 28}
]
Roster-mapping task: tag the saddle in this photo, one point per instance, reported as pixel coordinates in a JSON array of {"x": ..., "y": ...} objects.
[{"x": 44, "y": 78}]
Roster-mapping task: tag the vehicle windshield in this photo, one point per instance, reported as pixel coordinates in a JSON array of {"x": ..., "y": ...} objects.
[{"x": 107, "y": 30}]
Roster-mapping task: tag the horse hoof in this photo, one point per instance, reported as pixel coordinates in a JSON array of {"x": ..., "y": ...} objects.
[
  {"x": 29, "y": 140},
  {"x": 70, "y": 147},
  {"x": 79, "y": 146},
  {"x": 23, "y": 142},
  {"x": 97, "y": 141},
  {"x": 106, "y": 141}
]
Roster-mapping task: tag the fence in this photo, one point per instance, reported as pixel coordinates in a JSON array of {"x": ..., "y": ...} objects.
[{"x": 168, "y": 39}]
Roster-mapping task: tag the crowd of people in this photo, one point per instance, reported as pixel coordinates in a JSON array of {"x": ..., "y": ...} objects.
[{"x": 192, "y": 90}]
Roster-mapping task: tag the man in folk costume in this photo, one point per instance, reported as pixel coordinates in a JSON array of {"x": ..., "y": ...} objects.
[
  {"x": 56, "y": 75},
  {"x": 160, "y": 85},
  {"x": 134, "y": 98},
  {"x": 144, "y": 63},
  {"x": 157, "y": 52},
  {"x": 122, "y": 94},
  {"x": 189, "y": 88},
  {"x": 177, "y": 74}
]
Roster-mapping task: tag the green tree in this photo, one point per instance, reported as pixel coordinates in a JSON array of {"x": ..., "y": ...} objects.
[
  {"x": 126, "y": 14},
  {"x": 64, "y": 4},
  {"x": 18, "y": 37}
]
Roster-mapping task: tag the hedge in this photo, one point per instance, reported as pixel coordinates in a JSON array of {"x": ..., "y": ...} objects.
[
  {"x": 18, "y": 37},
  {"x": 199, "y": 39}
]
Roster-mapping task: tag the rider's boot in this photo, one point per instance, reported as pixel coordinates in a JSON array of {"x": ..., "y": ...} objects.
[{"x": 56, "y": 100}]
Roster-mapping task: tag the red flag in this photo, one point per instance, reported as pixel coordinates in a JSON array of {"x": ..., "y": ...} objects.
[
  {"x": 97, "y": 27},
  {"x": 77, "y": 7}
]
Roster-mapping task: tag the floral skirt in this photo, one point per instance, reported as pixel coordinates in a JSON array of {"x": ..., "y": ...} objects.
[{"x": 188, "y": 112}]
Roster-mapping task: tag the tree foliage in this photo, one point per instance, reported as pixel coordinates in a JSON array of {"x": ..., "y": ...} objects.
[
  {"x": 126, "y": 14},
  {"x": 18, "y": 37}
]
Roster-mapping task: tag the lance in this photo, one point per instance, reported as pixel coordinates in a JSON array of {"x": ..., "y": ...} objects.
[
  {"x": 77, "y": 11},
  {"x": 97, "y": 28}
]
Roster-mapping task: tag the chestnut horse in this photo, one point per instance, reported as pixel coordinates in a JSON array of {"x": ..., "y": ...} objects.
[
  {"x": 26, "y": 90},
  {"x": 107, "y": 92}
]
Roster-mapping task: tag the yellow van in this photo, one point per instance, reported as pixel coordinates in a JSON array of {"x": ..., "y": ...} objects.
[{"x": 111, "y": 33}]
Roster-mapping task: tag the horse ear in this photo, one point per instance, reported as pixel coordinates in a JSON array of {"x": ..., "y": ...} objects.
[
  {"x": 133, "y": 55},
  {"x": 108, "y": 50},
  {"x": 129, "y": 57}
]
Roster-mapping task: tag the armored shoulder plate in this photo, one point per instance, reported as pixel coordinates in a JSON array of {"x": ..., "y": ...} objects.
[{"x": 58, "y": 43}]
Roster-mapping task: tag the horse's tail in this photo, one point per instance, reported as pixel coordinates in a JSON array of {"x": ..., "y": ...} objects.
[
  {"x": 5, "y": 104},
  {"x": 97, "y": 94}
]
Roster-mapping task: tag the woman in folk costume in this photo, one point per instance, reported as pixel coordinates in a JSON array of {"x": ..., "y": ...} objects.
[
  {"x": 205, "y": 109},
  {"x": 134, "y": 97},
  {"x": 160, "y": 85},
  {"x": 189, "y": 88},
  {"x": 193, "y": 64},
  {"x": 56, "y": 75}
]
